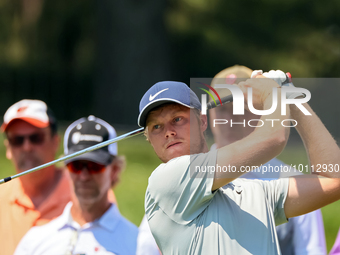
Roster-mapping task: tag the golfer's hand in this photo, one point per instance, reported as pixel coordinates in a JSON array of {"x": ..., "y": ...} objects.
[
  {"x": 262, "y": 89},
  {"x": 283, "y": 79},
  {"x": 278, "y": 76}
]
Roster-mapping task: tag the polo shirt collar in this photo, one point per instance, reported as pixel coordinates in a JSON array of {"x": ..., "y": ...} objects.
[
  {"x": 65, "y": 219},
  {"x": 19, "y": 196},
  {"x": 110, "y": 218},
  {"x": 108, "y": 221},
  {"x": 61, "y": 193}
]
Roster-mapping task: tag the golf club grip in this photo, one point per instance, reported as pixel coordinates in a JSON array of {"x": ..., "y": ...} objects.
[{"x": 225, "y": 100}]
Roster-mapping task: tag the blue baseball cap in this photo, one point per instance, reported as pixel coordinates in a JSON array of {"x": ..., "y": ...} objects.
[{"x": 166, "y": 92}]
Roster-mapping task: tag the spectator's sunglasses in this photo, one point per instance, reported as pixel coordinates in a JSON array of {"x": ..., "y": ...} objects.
[
  {"x": 77, "y": 166},
  {"x": 35, "y": 138}
]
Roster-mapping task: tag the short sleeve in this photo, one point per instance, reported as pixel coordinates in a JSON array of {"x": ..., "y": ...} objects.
[
  {"x": 276, "y": 192},
  {"x": 180, "y": 189}
]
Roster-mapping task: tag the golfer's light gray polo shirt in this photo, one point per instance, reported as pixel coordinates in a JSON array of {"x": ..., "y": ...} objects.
[{"x": 185, "y": 217}]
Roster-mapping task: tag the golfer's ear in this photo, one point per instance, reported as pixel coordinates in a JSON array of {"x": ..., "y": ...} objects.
[
  {"x": 204, "y": 122},
  {"x": 8, "y": 150}
]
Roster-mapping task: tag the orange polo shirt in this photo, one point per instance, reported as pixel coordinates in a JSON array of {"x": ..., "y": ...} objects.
[{"x": 18, "y": 214}]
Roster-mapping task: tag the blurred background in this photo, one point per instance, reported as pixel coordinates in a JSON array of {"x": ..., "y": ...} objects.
[{"x": 99, "y": 57}]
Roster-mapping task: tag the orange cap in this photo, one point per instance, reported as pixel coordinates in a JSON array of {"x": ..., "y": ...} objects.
[{"x": 31, "y": 111}]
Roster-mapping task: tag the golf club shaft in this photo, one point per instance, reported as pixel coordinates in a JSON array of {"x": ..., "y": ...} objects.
[
  {"x": 210, "y": 105},
  {"x": 224, "y": 100},
  {"x": 92, "y": 148}
]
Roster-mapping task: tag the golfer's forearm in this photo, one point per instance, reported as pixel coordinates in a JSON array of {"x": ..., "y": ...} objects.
[
  {"x": 320, "y": 145},
  {"x": 265, "y": 143},
  {"x": 308, "y": 194},
  {"x": 275, "y": 133},
  {"x": 252, "y": 151}
]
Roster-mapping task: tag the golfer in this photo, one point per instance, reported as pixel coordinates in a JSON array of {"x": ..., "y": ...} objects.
[
  {"x": 301, "y": 235},
  {"x": 192, "y": 210}
]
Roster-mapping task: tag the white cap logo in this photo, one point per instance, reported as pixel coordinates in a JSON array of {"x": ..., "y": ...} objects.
[
  {"x": 152, "y": 97},
  {"x": 76, "y": 137}
]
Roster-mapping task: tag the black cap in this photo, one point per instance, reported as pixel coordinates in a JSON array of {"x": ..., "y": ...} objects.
[{"x": 87, "y": 132}]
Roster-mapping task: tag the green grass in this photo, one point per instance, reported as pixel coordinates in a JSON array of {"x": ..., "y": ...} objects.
[{"x": 141, "y": 161}]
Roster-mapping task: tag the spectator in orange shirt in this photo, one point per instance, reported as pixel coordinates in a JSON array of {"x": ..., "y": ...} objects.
[{"x": 34, "y": 199}]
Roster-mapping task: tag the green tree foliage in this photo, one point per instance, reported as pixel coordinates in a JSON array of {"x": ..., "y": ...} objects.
[
  {"x": 99, "y": 57},
  {"x": 300, "y": 36}
]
